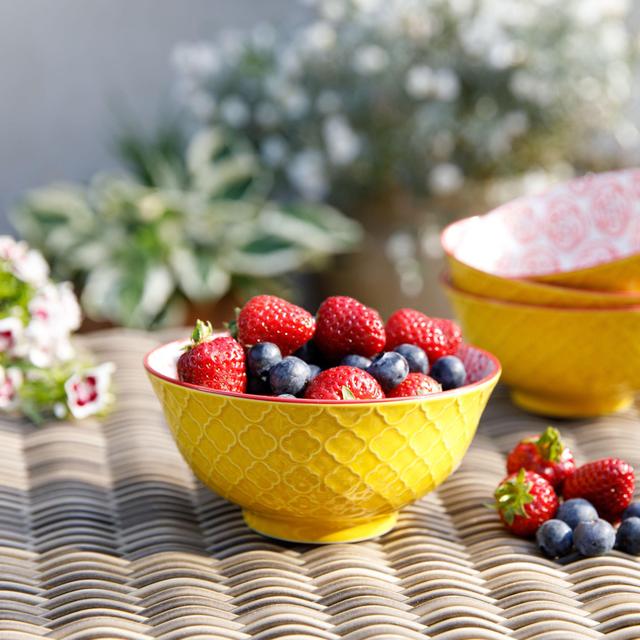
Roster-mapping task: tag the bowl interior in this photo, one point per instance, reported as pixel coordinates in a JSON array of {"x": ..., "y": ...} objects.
[
  {"x": 162, "y": 363},
  {"x": 579, "y": 224}
]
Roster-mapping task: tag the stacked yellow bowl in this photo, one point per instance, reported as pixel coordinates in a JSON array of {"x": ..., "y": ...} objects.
[{"x": 551, "y": 284}]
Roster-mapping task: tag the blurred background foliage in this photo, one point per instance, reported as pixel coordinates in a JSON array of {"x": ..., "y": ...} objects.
[{"x": 401, "y": 114}]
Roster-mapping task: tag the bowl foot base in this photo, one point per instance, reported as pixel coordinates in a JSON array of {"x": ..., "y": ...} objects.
[
  {"x": 319, "y": 532},
  {"x": 570, "y": 407}
]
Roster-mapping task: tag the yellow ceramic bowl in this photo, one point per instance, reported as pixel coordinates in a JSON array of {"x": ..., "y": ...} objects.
[
  {"x": 583, "y": 234},
  {"x": 482, "y": 283},
  {"x": 558, "y": 362},
  {"x": 318, "y": 471}
]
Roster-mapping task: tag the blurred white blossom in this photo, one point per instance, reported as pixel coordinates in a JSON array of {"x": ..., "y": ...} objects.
[
  {"x": 307, "y": 172},
  {"x": 445, "y": 178},
  {"x": 342, "y": 143},
  {"x": 370, "y": 59},
  {"x": 234, "y": 111},
  {"x": 420, "y": 81}
]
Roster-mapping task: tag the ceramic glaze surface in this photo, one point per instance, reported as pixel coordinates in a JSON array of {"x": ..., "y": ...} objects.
[
  {"x": 485, "y": 284},
  {"x": 563, "y": 362},
  {"x": 584, "y": 233},
  {"x": 322, "y": 472}
]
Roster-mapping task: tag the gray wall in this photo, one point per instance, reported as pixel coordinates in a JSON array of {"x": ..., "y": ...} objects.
[{"x": 69, "y": 68}]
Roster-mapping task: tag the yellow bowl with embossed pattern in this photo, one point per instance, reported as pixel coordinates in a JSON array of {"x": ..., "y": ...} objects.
[
  {"x": 321, "y": 471},
  {"x": 558, "y": 362}
]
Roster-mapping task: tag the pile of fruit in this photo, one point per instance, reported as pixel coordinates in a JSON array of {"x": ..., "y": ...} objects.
[
  {"x": 596, "y": 496},
  {"x": 345, "y": 352}
]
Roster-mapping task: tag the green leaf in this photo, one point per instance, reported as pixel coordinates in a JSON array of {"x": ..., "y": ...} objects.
[{"x": 512, "y": 496}]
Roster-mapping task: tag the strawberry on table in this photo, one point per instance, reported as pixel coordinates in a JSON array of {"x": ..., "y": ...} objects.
[
  {"x": 607, "y": 484},
  {"x": 216, "y": 363},
  {"x": 415, "y": 384},
  {"x": 525, "y": 500},
  {"x": 437, "y": 337},
  {"x": 271, "y": 319},
  {"x": 344, "y": 383},
  {"x": 345, "y": 326},
  {"x": 545, "y": 454}
]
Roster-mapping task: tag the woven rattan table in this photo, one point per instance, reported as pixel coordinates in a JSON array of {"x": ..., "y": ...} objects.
[{"x": 104, "y": 533}]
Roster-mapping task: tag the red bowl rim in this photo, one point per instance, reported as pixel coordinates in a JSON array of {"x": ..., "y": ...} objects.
[{"x": 495, "y": 374}]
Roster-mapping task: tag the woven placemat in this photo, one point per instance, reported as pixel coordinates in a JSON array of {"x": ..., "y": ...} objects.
[{"x": 104, "y": 533}]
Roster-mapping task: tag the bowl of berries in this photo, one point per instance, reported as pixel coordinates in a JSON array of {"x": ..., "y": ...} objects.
[{"x": 322, "y": 427}]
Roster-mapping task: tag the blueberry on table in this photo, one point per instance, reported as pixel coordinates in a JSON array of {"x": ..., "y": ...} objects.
[
  {"x": 354, "y": 360},
  {"x": 575, "y": 511},
  {"x": 628, "y": 536},
  {"x": 314, "y": 370},
  {"x": 594, "y": 538},
  {"x": 449, "y": 371},
  {"x": 632, "y": 511},
  {"x": 389, "y": 369},
  {"x": 261, "y": 357},
  {"x": 555, "y": 538},
  {"x": 415, "y": 356},
  {"x": 289, "y": 376}
]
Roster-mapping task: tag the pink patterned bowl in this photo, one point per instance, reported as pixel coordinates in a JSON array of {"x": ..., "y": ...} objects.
[{"x": 583, "y": 234}]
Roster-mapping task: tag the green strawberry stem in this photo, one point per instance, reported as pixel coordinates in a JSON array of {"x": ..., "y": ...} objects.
[
  {"x": 512, "y": 496},
  {"x": 347, "y": 394},
  {"x": 202, "y": 332},
  {"x": 550, "y": 445}
]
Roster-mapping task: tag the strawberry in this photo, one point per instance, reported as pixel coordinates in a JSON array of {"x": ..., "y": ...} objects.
[
  {"x": 272, "y": 319},
  {"x": 344, "y": 383},
  {"x": 436, "y": 336},
  {"x": 607, "y": 484},
  {"x": 217, "y": 363},
  {"x": 345, "y": 326},
  {"x": 545, "y": 454},
  {"x": 415, "y": 384},
  {"x": 525, "y": 500}
]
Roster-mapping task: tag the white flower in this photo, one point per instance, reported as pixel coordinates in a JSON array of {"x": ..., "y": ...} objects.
[
  {"x": 370, "y": 59},
  {"x": 234, "y": 111},
  {"x": 196, "y": 59},
  {"x": 88, "y": 392},
  {"x": 320, "y": 36},
  {"x": 447, "y": 85},
  {"x": 26, "y": 264},
  {"x": 445, "y": 178},
  {"x": 55, "y": 313},
  {"x": 10, "y": 382},
  {"x": 307, "y": 173},
  {"x": 294, "y": 100},
  {"x": 274, "y": 150},
  {"x": 11, "y": 335},
  {"x": 342, "y": 143},
  {"x": 420, "y": 81}
]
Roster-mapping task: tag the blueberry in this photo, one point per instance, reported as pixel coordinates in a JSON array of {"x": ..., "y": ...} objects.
[
  {"x": 415, "y": 356},
  {"x": 628, "y": 536},
  {"x": 261, "y": 357},
  {"x": 575, "y": 511},
  {"x": 632, "y": 511},
  {"x": 389, "y": 369},
  {"x": 308, "y": 352},
  {"x": 289, "y": 376},
  {"x": 449, "y": 372},
  {"x": 355, "y": 360},
  {"x": 314, "y": 370},
  {"x": 594, "y": 538},
  {"x": 555, "y": 538},
  {"x": 258, "y": 386}
]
